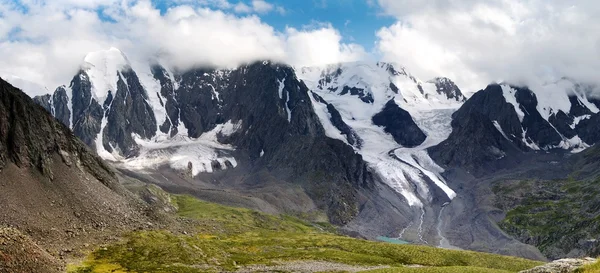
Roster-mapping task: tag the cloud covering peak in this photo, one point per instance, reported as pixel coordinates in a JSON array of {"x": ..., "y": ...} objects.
[
  {"x": 46, "y": 41},
  {"x": 529, "y": 42},
  {"x": 476, "y": 42}
]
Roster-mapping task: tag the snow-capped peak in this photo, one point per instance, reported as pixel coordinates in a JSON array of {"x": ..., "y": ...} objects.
[
  {"x": 376, "y": 83},
  {"x": 359, "y": 91},
  {"x": 103, "y": 68}
]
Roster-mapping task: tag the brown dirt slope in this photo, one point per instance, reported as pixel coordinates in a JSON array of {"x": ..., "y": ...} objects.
[
  {"x": 19, "y": 254},
  {"x": 52, "y": 187}
]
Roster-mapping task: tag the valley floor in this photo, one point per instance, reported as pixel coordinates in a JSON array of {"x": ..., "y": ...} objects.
[{"x": 224, "y": 239}]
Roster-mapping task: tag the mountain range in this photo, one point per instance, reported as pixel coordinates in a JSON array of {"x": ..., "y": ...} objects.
[{"x": 365, "y": 146}]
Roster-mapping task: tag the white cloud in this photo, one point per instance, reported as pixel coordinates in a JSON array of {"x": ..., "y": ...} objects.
[
  {"x": 320, "y": 46},
  {"x": 254, "y": 6},
  {"x": 475, "y": 42},
  {"x": 48, "y": 43},
  {"x": 242, "y": 8},
  {"x": 261, "y": 6}
]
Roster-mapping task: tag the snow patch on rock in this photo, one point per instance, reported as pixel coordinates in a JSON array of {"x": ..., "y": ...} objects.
[
  {"x": 202, "y": 155},
  {"x": 103, "y": 68}
]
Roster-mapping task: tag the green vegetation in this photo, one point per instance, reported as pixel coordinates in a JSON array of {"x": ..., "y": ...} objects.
[
  {"x": 592, "y": 268},
  {"x": 227, "y": 239},
  {"x": 552, "y": 215}
]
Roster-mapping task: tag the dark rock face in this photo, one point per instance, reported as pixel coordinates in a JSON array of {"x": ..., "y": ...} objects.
[
  {"x": 474, "y": 144},
  {"x": 562, "y": 122},
  {"x": 399, "y": 123},
  {"x": 60, "y": 101},
  {"x": 366, "y": 97},
  {"x": 29, "y": 135},
  {"x": 491, "y": 103},
  {"x": 294, "y": 143},
  {"x": 198, "y": 99},
  {"x": 337, "y": 121},
  {"x": 577, "y": 107},
  {"x": 279, "y": 130},
  {"x": 126, "y": 109},
  {"x": 447, "y": 87},
  {"x": 531, "y": 128},
  {"x": 44, "y": 101},
  {"x": 536, "y": 127},
  {"x": 50, "y": 180},
  {"x": 330, "y": 78},
  {"x": 168, "y": 100},
  {"x": 589, "y": 129},
  {"x": 128, "y": 113},
  {"x": 56, "y": 104},
  {"x": 87, "y": 112},
  {"x": 595, "y": 101},
  {"x": 394, "y": 88}
]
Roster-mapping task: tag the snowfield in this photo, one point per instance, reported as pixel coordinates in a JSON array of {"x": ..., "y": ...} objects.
[{"x": 406, "y": 170}]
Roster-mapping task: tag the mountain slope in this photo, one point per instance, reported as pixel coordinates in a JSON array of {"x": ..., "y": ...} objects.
[
  {"x": 245, "y": 128},
  {"x": 18, "y": 253},
  {"x": 556, "y": 116},
  {"x": 346, "y": 143},
  {"x": 558, "y": 216},
  {"x": 53, "y": 187},
  {"x": 514, "y": 153},
  {"x": 348, "y": 140}
]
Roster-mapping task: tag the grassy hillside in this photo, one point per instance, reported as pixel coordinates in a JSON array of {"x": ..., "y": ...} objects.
[
  {"x": 557, "y": 216},
  {"x": 592, "y": 268},
  {"x": 229, "y": 239}
]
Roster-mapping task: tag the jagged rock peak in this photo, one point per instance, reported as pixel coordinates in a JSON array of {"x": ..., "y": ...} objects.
[
  {"x": 449, "y": 88},
  {"x": 379, "y": 81}
]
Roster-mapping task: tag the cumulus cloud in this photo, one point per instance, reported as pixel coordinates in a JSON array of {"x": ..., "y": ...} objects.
[
  {"x": 46, "y": 42},
  {"x": 476, "y": 42},
  {"x": 320, "y": 46}
]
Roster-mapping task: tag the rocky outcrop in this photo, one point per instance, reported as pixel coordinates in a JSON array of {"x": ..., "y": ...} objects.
[
  {"x": 589, "y": 129},
  {"x": 561, "y": 266},
  {"x": 399, "y": 123},
  {"x": 167, "y": 100},
  {"x": 475, "y": 143},
  {"x": 448, "y": 88},
  {"x": 87, "y": 113},
  {"x": 534, "y": 125},
  {"x": 128, "y": 113}
]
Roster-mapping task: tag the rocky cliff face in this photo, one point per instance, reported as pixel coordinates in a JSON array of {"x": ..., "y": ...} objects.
[
  {"x": 447, "y": 87},
  {"x": 399, "y": 123},
  {"x": 565, "y": 119}
]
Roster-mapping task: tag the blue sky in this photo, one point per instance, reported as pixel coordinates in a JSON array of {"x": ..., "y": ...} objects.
[{"x": 356, "y": 20}]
